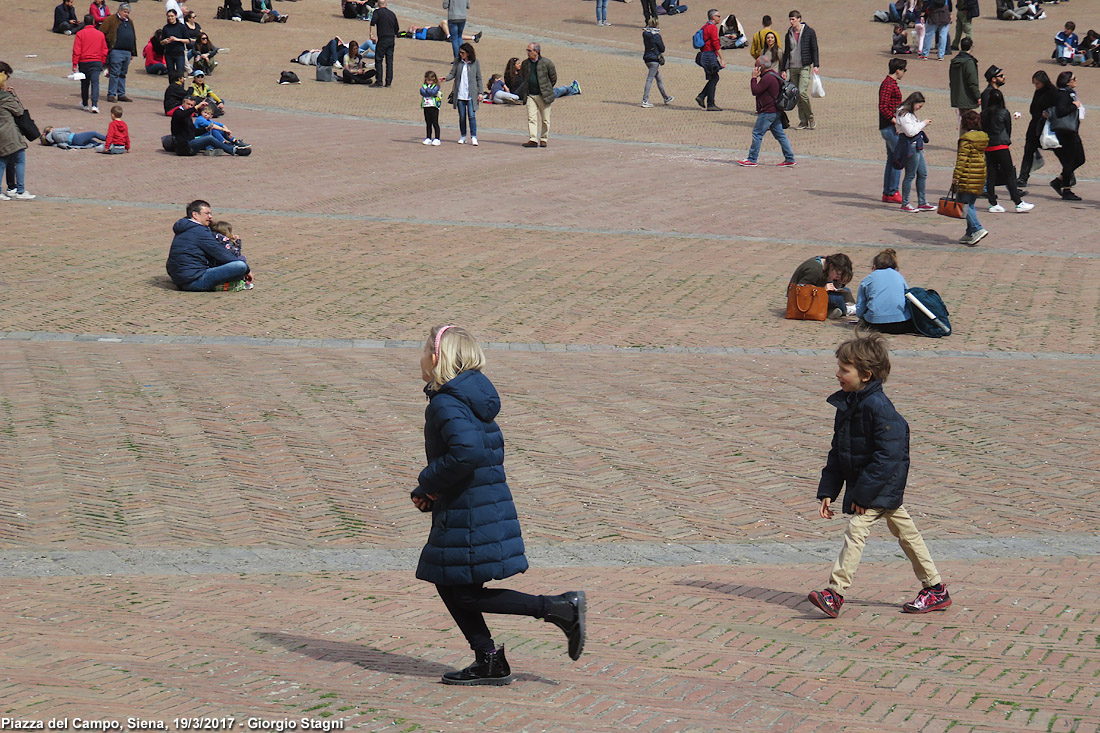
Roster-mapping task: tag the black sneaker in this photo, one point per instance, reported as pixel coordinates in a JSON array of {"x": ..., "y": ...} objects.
[
  {"x": 929, "y": 600},
  {"x": 1068, "y": 195},
  {"x": 701, "y": 101},
  {"x": 828, "y": 601}
]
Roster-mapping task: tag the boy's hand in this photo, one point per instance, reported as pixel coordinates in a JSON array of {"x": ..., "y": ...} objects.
[
  {"x": 858, "y": 509},
  {"x": 825, "y": 511}
]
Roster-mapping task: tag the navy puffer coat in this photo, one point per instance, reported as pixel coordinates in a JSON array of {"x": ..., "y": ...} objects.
[
  {"x": 870, "y": 452},
  {"x": 475, "y": 534}
]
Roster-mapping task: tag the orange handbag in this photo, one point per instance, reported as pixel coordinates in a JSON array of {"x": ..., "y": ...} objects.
[{"x": 807, "y": 302}]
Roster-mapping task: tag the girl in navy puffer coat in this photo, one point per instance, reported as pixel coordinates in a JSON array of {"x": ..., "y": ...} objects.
[{"x": 475, "y": 535}]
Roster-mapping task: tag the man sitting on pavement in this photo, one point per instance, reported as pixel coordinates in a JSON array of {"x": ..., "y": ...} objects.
[{"x": 197, "y": 262}]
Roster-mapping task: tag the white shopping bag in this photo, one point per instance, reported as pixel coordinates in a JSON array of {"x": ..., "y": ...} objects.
[
  {"x": 817, "y": 91},
  {"x": 1047, "y": 139}
]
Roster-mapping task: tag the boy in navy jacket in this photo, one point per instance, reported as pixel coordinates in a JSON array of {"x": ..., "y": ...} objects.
[{"x": 870, "y": 457}]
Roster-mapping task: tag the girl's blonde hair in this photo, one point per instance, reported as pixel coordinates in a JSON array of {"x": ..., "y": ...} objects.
[
  {"x": 456, "y": 351},
  {"x": 431, "y": 78},
  {"x": 223, "y": 228}
]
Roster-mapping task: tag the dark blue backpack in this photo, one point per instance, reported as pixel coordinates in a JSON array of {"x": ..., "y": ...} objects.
[{"x": 931, "y": 327}]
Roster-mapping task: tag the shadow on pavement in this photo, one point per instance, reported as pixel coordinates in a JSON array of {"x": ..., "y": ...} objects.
[{"x": 368, "y": 657}]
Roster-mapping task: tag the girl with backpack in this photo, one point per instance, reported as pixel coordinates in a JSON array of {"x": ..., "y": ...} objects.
[{"x": 475, "y": 535}]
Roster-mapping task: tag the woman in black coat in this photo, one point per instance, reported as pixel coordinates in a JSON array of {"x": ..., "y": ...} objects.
[
  {"x": 654, "y": 48},
  {"x": 1072, "y": 153},
  {"x": 1046, "y": 95},
  {"x": 475, "y": 535}
]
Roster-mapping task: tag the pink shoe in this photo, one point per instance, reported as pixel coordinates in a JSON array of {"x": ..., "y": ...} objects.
[
  {"x": 926, "y": 207},
  {"x": 909, "y": 208}
]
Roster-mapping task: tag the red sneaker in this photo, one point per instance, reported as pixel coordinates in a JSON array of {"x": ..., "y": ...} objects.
[
  {"x": 827, "y": 601},
  {"x": 748, "y": 163},
  {"x": 929, "y": 600},
  {"x": 894, "y": 198},
  {"x": 926, "y": 207},
  {"x": 786, "y": 164}
]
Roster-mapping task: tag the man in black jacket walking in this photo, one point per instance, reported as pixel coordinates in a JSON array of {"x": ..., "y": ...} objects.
[{"x": 800, "y": 58}]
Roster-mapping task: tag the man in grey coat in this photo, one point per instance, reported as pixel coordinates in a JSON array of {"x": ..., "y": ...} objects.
[{"x": 456, "y": 21}]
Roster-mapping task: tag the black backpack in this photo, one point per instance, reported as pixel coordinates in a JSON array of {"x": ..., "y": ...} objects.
[{"x": 787, "y": 98}]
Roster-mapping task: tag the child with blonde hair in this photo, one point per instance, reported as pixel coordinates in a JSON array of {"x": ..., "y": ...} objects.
[
  {"x": 223, "y": 233},
  {"x": 475, "y": 535},
  {"x": 870, "y": 459},
  {"x": 431, "y": 100}
]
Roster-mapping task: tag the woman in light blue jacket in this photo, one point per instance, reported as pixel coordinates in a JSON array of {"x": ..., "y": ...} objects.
[{"x": 880, "y": 302}]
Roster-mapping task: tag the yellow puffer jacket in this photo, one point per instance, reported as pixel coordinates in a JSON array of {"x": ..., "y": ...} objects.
[{"x": 969, "y": 175}]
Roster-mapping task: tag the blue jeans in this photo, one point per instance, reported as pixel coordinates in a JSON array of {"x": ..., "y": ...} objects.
[
  {"x": 119, "y": 63},
  {"x": 711, "y": 67},
  {"x": 565, "y": 91},
  {"x": 455, "y": 28},
  {"x": 766, "y": 121},
  {"x": 601, "y": 11},
  {"x": 217, "y": 276},
  {"x": 891, "y": 175},
  {"x": 18, "y": 161},
  {"x": 466, "y": 109},
  {"x": 115, "y": 150},
  {"x": 915, "y": 167},
  {"x": 176, "y": 64},
  {"x": 91, "y": 70},
  {"x": 209, "y": 141},
  {"x": 80, "y": 139},
  {"x": 939, "y": 33},
  {"x": 157, "y": 69},
  {"x": 972, "y": 223}
]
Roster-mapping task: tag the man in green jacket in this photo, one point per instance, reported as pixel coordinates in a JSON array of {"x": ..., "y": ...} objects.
[
  {"x": 538, "y": 77},
  {"x": 963, "y": 78}
]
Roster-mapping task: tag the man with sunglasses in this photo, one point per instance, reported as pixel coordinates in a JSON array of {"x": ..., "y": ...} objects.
[{"x": 122, "y": 46}]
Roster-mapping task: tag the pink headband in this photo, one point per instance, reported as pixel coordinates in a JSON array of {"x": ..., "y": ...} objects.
[{"x": 438, "y": 336}]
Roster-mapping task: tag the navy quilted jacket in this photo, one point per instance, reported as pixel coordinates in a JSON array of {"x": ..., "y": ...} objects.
[
  {"x": 475, "y": 534},
  {"x": 870, "y": 452}
]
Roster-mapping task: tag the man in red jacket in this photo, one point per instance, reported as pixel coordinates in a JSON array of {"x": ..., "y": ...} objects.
[{"x": 89, "y": 55}]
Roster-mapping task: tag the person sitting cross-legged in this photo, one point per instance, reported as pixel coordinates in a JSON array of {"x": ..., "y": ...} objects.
[{"x": 197, "y": 261}]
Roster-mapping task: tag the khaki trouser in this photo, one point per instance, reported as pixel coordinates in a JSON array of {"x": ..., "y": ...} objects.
[
  {"x": 901, "y": 526},
  {"x": 538, "y": 118},
  {"x": 962, "y": 28},
  {"x": 801, "y": 78}
]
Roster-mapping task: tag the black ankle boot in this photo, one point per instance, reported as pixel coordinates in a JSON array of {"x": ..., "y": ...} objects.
[
  {"x": 567, "y": 613},
  {"x": 489, "y": 668}
]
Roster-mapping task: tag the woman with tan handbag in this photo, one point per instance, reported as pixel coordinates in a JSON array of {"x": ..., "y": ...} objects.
[
  {"x": 833, "y": 273},
  {"x": 968, "y": 179}
]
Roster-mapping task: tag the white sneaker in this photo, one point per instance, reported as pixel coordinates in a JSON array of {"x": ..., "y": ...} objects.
[
  {"x": 1024, "y": 206},
  {"x": 996, "y": 209},
  {"x": 85, "y": 107},
  {"x": 25, "y": 196},
  {"x": 473, "y": 140},
  {"x": 4, "y": 198},
  {"x": 435, "y": 141},
  {"x": 647, "y": 105},
  {"x": 462, "y": 140},
  {"x": 427, "y": 141},
  {"x": 95, "y": 110}
]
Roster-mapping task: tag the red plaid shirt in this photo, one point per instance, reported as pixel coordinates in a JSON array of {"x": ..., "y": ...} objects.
[{"x": 889, "y": 99}]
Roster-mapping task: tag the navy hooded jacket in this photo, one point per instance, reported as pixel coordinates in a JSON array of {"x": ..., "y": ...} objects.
[
  {"x": 194, "y": 250},
  {"x": 475, "y": 535},
  {"x": 870, "y": 451}
]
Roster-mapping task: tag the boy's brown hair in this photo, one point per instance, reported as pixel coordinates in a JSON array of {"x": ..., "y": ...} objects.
[
  {"x": 116, "y": 112},
  {"x": 867, "y": 352}
]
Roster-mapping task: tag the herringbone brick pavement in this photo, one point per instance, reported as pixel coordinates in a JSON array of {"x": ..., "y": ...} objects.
[{"x": 633, "y": 229}]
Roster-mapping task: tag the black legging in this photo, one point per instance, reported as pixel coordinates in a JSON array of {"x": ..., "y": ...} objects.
[
  {"x": 431, "y": 123},
  {"x": 1031, "y": 146},
  {"x": 467, "y": 603},
  {"x": 1071, "y": 155},
  {"x": 998, "y": 167}
]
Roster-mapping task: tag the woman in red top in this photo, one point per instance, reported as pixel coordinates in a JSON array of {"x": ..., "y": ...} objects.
[
  {"x": 710, "y": 58},
  {"x": 154, "y": 58},
  {"x": 99, "y": 11}
]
